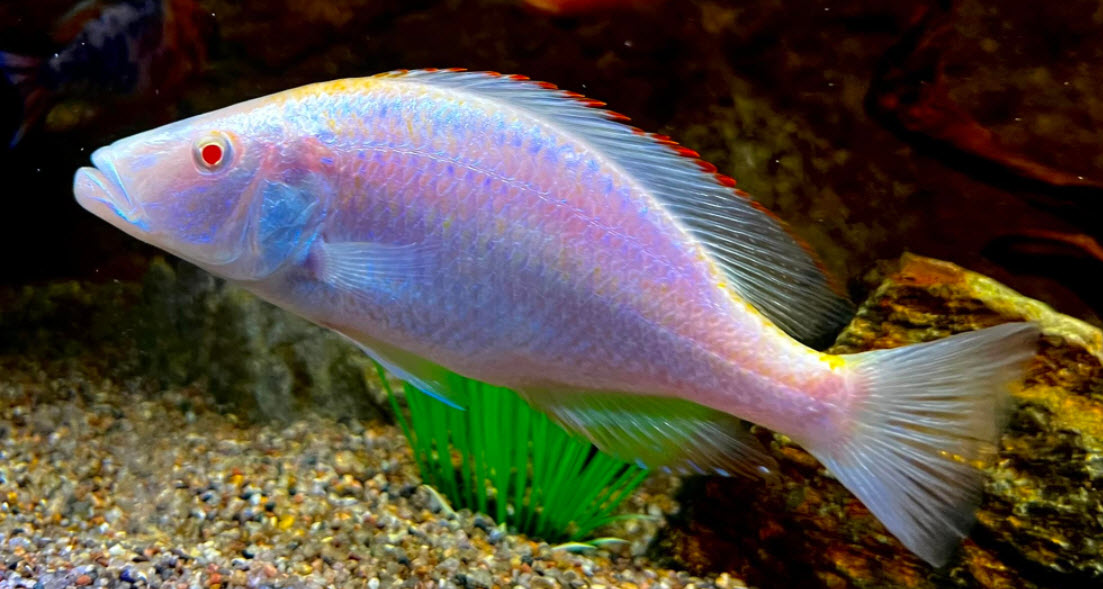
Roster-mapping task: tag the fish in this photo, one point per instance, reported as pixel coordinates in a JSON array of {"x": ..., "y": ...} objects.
[
  {"x": 126, "y": 48},
  {"x": 522, "y": 235}
]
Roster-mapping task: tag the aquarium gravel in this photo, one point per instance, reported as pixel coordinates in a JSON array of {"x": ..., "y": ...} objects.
[{"x": 122, "y": 484}]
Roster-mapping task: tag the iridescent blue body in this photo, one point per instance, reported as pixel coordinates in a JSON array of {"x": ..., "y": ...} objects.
[{"x": 510, "y": 232}]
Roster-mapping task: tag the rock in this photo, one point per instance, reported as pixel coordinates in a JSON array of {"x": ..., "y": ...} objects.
[
  {"x": 181, "y": 325},
  {"x": 1039, "y": 524}
]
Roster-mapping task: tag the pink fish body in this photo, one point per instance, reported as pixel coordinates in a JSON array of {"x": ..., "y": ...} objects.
[{"x": 519, "y": 235}]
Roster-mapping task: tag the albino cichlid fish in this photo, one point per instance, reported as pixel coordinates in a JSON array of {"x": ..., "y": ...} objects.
[{"x": 520, "y": 235}]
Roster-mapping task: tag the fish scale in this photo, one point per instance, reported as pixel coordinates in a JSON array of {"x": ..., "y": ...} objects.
[{"x": 451, "y": 221}]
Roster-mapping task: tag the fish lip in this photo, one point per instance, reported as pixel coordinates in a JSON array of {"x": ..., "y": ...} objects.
[{"x": 100, "y": 190}]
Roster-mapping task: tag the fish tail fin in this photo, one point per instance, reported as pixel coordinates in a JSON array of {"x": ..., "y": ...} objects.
[
  {"x": 923, "y": 421},
  {"x": 25, "y": 74}
]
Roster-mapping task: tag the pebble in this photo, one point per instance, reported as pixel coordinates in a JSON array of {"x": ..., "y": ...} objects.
[{"x": 128, "y": 485}]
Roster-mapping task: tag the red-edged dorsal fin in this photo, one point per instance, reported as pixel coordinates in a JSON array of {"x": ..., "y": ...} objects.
[
  {"x": 761, "y": 261},
  {"x": 706, "y": 167}
]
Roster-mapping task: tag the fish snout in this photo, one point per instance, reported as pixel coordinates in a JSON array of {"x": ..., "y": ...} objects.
[{"x": 100, "y": 190}]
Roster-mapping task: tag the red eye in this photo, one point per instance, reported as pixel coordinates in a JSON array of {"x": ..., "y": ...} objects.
[{"x": 211, "y": 154}]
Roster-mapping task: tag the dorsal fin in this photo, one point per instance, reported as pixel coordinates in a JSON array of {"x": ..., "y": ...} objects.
[{"x": 762, "y": 262}]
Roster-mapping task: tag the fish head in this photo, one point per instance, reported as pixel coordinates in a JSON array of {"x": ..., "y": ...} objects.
[{"x": 224, "y": 190}]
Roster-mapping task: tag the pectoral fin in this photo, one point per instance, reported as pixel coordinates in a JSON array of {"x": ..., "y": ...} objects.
[
  {"x": 659, "y": 432},
  {"x": 363, "y": 265}
]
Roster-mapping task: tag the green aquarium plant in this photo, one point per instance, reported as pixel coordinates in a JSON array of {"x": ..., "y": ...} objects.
[{"x": 500, "y": 457}]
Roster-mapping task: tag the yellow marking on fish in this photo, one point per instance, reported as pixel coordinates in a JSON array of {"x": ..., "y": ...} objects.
[
  {"x": 833, "y": 361},
  {"x": 721, "y": 282},
  {"x": 331, "y": 87},
  {"x": 601, "y": 288},
  {"x": 749, "y": 307},
  {"x": 958, "y": 458}
]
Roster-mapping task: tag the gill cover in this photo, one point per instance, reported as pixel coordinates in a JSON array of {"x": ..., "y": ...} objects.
[{"x": 193, "y": 209}]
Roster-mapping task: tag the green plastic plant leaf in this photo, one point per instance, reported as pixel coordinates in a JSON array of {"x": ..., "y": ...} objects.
[{"x": 500, "y": 457}]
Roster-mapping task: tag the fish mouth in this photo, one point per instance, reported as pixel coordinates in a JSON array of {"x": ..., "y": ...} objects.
[{"x": 100, "y": 191}]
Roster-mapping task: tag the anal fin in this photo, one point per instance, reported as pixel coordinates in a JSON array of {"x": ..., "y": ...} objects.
[{"x": 659, "y": 432}]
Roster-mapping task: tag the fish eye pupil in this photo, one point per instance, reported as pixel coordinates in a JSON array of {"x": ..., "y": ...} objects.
[{"x": 211, "y": 154}]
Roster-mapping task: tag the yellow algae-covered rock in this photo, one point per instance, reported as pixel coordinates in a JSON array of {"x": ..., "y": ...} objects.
[{"x": 1040, "y": 521}]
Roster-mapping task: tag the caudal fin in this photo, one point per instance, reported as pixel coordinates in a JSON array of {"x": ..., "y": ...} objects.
[
  {"x": 925, "y": 418},
  {"x": 24, "y": 73}
]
